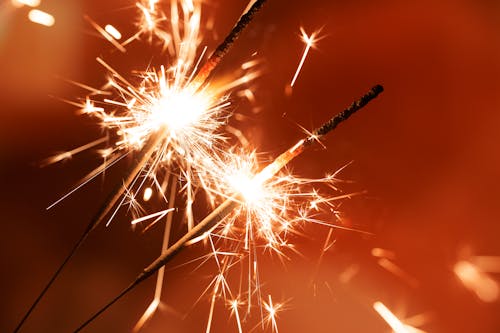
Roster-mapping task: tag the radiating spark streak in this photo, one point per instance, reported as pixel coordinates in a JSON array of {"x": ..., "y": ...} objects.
[
  {"x": 112, "y": 31},
  {"x": 398, "y": 271},
  {"x": 41, "y": 17},
  {"x": 69, "y": 154},
  {"x": 99, "y": 170},
  {"x": 272, "y": 313},
  {"x": 220, "y": 284},
  {"x": 109, "y": 37},
  {"x": 151, "y": 309},
  {"x": 309, "y": 41},
  {"x": 477, "y": 281},
  {"x": 390, "y": 318},
  {"x": 159, "y": 215},
  {"x": 234, "y": 310}
]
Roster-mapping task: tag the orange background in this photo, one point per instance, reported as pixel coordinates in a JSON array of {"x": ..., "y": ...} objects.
[{"x": 426, "y": 152}]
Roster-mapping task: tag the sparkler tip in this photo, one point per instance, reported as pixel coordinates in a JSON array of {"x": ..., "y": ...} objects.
[{"x": 377, "y": 89}]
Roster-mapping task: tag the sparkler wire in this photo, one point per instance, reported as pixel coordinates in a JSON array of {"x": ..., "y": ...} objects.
[
  {"x": 145, "y": 153},
  {"x": 141, "y": 158},
  {"x": 224, "y": 209}
]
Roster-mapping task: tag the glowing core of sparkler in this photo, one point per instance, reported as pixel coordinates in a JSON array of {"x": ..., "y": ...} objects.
[
  {"x": 178, "y": 109},
  {"x": 245, "y": 184}
]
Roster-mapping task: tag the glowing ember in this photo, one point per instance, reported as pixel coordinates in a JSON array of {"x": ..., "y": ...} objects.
[
  {"x": 41, "y": 17},
  {"x": 113, "y": 31},
  {"x": 148, "y": 192}
]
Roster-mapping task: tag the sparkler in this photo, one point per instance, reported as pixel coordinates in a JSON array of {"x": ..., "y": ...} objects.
[
  {"x": 147, "y": 128},
  {"x": 223, "y": 210}
]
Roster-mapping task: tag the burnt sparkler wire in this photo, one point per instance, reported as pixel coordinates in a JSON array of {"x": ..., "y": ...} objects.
[
  {"x": 224, "y": 209},
  {"x": 149, "y": 148}
]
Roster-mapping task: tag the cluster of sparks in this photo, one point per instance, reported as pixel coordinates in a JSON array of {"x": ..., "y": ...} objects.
[{"x": 183, "y": 118}]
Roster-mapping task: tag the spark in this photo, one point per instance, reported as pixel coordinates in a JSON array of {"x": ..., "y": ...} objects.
[
  {"x": 477, "y": 281},
  {"x": 157, "y": 215},
  {"x": 309, "y": 41},
  {"x": 113, "y": 31},
  {"x": 153, "y": 306},
  {"x": 390, "y": 318},
  {"x": 69, "y": 154},
  {"x": 29, "y": 3},
  {"x": 148, "y": 192},
  {"x": 234, "y": 310},
  {"x": 41, "y": 17},
  {"x": 398, "y": 325},
  {"x": 272, "y": 311},
  {"x": 107, "y": 33}
]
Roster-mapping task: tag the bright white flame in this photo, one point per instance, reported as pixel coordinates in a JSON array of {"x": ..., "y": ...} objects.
[
  {"x": 178, "y": 109},
  {"x": 247, "y": 186},
  {"x": 40, "y": 17}
]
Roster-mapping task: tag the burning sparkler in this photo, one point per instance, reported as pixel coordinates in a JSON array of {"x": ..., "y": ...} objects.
[
  {"x": 220, "y": 214},
  {"x": 172, "y": 116}
]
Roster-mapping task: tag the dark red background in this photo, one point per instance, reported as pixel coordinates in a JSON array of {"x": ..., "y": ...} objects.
[{"x": 426, "y": 151}]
